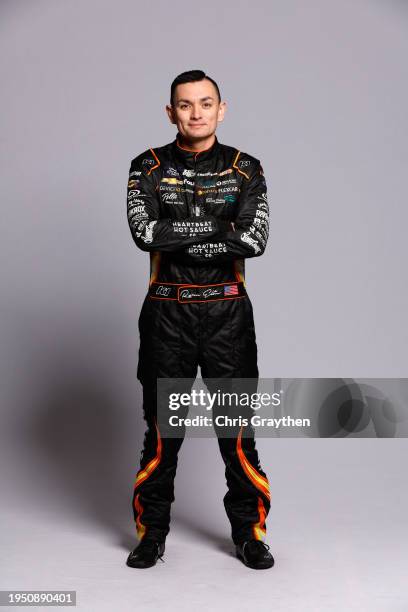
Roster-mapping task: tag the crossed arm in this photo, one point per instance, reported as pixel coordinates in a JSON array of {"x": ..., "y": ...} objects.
[{"x": 202, "y": 239}]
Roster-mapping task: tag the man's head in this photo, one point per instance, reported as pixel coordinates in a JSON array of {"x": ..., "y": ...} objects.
[{"x": 195, "y": 105}]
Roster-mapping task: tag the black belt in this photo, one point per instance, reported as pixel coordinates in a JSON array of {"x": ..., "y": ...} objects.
[{"x": 185, "y": 292}]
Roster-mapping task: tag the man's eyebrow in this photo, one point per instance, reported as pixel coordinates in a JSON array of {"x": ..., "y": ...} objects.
[{"x": 201, "y": 99}]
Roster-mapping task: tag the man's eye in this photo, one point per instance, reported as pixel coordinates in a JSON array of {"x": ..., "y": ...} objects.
[
  {"x": 207, "y": 104},
  {"x": 183, "y": 106}
]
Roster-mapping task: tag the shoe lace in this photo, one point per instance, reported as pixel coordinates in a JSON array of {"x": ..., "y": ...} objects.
[
  {"x": 151, "y": 545},
  {"x": 256, "y": 543}
]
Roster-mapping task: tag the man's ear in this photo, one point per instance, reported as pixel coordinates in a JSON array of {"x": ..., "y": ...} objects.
[
  {"x": 221, "y": 111},
  {"x": 169, "y": 110}
]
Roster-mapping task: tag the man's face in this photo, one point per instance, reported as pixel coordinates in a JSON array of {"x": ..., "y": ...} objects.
[{"x": 196, "y": 110}]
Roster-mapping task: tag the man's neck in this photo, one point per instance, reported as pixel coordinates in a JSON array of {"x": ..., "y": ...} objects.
[{"x": 196, "y": 145}]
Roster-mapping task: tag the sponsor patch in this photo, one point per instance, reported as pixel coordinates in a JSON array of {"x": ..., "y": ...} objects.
[
  {"x": 244, "y": 163},
  {"x": 133, "y": 183},
  {"x": 171, "y": 171},
  {"x": 171, "y": 181}
]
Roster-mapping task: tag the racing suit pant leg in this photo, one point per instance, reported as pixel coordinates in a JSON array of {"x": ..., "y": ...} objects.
[
  {"x": 167, "y": 350},
  {"x": 231, "y": 353},
  {"x": 247, "y": 501},
  {"x": 153, "y": 491}
]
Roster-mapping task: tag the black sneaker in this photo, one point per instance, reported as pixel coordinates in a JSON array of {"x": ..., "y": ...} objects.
[
  {"x": 255, "y": 554},
  {"x": 146, "y": 554}
]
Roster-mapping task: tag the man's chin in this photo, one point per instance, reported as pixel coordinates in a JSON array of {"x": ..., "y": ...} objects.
[{"x": 198, "y": 135}]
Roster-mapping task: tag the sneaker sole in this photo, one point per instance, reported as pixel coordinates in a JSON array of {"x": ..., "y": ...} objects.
[{"x": 140, "y": 566}]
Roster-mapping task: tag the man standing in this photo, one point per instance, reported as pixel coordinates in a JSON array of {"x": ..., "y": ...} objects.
[{"x": 199, "y": 208}]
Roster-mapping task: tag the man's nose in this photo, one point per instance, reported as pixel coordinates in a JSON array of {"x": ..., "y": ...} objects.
[{"x": 196, "y": 111}]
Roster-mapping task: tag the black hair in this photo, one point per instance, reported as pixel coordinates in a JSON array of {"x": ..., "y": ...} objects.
[{"x": 188, "y": 77}]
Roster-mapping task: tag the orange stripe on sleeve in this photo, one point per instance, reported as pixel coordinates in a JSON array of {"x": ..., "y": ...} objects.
[
  {"x": 158, "y": 162},
  {"x": 236, "y": 167}
]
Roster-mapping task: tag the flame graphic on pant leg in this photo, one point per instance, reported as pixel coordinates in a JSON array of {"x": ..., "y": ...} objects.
[
  {"x": 258, "y": 529},
  {"x": 261, "y": 483},
  {"x": 142, "y": 475}
]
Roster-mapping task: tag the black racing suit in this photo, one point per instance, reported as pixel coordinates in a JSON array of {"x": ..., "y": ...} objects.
[{"x": 198, "y": 215}]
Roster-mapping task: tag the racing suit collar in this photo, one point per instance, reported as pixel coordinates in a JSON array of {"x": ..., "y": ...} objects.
[{"x": 194, "y": 157}]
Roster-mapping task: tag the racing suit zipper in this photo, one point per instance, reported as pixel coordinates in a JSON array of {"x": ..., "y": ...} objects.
[{"x": 202, "y": 307}]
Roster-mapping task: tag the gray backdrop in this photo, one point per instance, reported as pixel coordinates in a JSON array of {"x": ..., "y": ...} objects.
[{"x": 316, "y": 90}]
